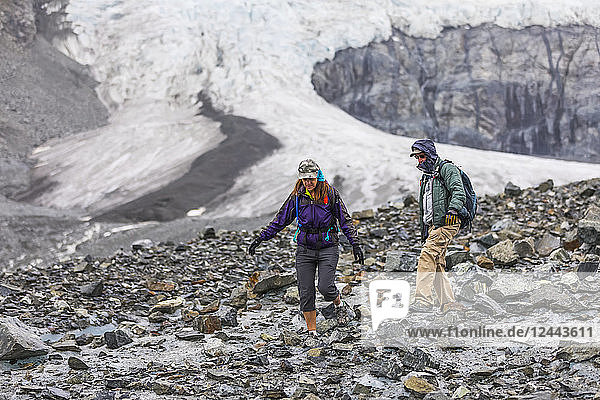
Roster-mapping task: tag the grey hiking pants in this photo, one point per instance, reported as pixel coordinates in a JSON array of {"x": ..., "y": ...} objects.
[{"x": 307, "y": 262}]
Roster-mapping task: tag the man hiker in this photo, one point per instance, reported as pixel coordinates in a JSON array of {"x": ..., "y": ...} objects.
[{"x": 441, "y": 196}]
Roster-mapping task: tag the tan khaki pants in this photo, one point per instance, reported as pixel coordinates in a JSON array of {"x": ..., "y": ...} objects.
[{"x": 431, "y": 272}]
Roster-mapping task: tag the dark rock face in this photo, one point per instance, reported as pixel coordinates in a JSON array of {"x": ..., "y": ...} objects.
[{"x": 531, "y": 91}]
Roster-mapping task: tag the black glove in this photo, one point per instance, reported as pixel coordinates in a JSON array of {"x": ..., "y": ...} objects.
[
  {"x": 358, "y": 254},
  {"x": 254, "y": 245},
  {"x": 452, "y": 218}
]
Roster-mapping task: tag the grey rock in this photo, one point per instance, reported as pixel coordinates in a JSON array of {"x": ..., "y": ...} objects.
[
  {"x": 571, "y": 240},
  {"x": 362, "y": 389},
  {"x": 587, "y": 192},
  {"x": 207, "y": 323},
  {"x": 551, "y": 296},
  {"x": 142, "y": 244},
  {"x": 214, "y": 347},
  {"x": 271, "y": 280},
  {"x": 476, "y": 248},
  {"x": 510, "y": 287},
  {"x": 162, "y": 387},
  {"x": 418, "y": 360},
  {"x": 292, "y": 296},
  {"x": 486, "y": 304},
  {"x": 157, "y": 317},
  {"x": 290, "y": 338},
  {"x": 365, "y": 214},
  {"x": 560, "y": 255},
  {"x": 457, "y": 257},
  {"x": 239, "y": 297},
  {"x": 190, "y": 336},
  {"x": 579, "y": 352},
  {"x": 505, "y": 224},
  {"x": 66, "y": 345},
  {"x": 546, "y": 244},
  {"x": 17, "y": 341},
  {"x": 525, "y": 247},
  {"x": 56, "y": 394},
  {"x": 400, "y": 261},
  {"x": 545, "y": 186},
  {"x": 167, "y": 306},
  {"x": 410, "y": 200},
  {"x": 437, "y": 396},
  {"x": 228, "y": 316},
  {"x": 209, "y": 233},
  {"x": 76, "y": 363},
  {"x": 588, "y": 228},
  {"x": 489, "y": 239},
  {"x": 379, "y": 232},
  {"x": 105, "y": 395},
  {"x": 116, "y": 339},
  {"x": 220, "y": 375},
  {"x": 503, "y": 253},
  {"x": 391, "y": 369},
  {"x": 512, "y": 190},
  {"x": 93, "y": 289},
  {"x": 8, "y": 290},
  {"x": 587, "y": 268},
  {"x": 326, "y": 325}
]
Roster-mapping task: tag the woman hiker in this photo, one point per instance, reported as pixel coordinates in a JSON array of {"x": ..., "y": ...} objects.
[{"x": 316, "y": 205}]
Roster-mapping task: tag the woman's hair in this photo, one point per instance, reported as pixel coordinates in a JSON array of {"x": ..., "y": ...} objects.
[{"x": 320, "y": 192}]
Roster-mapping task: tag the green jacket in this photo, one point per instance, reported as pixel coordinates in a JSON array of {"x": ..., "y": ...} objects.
[{"x": 447, "y": 195}]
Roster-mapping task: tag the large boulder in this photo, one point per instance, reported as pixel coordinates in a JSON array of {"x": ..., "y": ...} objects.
[
  {"x": 503, "y": 253},
  {"x": 17, "y": 341},
  {"x": 588, "y": 228}
]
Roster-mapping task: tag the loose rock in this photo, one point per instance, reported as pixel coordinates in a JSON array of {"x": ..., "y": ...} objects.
[{"x": 17, "y": 341}]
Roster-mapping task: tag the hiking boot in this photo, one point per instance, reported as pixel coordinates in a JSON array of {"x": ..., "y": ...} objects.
[
  {"x": 344, "y": 314},
  {"x": 312, "y": 340},
  {"x": 453, "y": 306},
  {"x": 420, "y": 307},
  {"x": 329, "y": 311}
]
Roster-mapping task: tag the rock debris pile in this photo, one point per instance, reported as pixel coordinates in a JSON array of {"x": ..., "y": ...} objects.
[{"x": 206, "y": 320}]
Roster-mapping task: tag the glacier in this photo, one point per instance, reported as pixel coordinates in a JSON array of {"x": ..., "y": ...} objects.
[{"x": 254, "y": 58}]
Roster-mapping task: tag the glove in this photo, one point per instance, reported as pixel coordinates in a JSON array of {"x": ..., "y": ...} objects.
[
  {"x": 358, "y": 254},
  {"x": 452, "y": 218},
  {"x": 254, "y": 245}
]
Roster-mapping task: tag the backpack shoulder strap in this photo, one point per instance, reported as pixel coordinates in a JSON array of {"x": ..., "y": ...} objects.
[
  {"x": 297, "y": 204},
  {"x": 437, "y": 172}
]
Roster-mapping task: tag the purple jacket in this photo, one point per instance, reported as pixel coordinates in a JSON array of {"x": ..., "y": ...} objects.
[{"x": 317, "y": 222}]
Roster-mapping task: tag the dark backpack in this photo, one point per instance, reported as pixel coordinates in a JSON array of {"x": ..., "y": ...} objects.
[{"x": 467, "y": 213}]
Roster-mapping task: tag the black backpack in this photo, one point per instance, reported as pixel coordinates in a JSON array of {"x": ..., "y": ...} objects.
[{"x": 467, "y": 213}]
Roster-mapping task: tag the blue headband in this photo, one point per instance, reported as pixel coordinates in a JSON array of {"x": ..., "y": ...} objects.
[{"x": 320, "y": 176}]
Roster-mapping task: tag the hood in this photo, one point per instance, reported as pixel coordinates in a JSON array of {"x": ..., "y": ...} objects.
[{"x": 426, "y": 146}]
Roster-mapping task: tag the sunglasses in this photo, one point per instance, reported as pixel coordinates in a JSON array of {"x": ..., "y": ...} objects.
[{"x": 420, "y": 156}]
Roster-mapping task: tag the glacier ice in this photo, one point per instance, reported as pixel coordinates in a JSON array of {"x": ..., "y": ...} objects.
[{"x": 254, "y": 58}]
